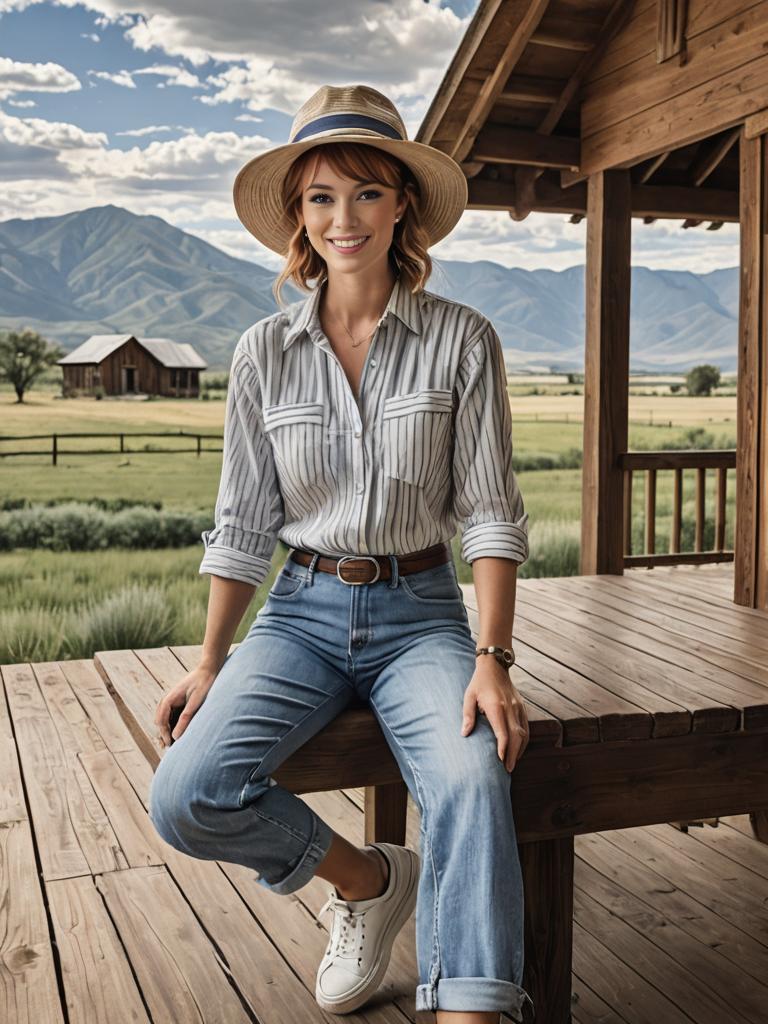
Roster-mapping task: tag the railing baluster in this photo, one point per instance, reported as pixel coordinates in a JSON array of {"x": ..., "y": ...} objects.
[
  {"x": 650, "y": 511},
  {"x": 627, "y": 511},
  {"x": 675, "y": 534},
  {"x": 701, "y": 491},
  {"x": 722, "y": 492}
]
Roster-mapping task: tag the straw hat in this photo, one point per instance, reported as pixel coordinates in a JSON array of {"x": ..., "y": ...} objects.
[{"x": 347, "y": 113}]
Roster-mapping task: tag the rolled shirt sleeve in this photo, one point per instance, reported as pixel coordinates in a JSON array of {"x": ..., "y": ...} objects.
[
  {"x": 487, "y": 498},
  {"x": 249, "y": 507}
]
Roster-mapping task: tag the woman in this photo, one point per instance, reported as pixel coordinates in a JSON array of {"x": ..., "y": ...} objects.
[{"x": 362, "y": 424}]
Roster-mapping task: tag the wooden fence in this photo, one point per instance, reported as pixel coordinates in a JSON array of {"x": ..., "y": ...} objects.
[{"x": 54, "y": 450}]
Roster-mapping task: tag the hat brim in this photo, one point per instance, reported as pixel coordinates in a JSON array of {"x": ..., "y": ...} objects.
[{"x": 258, "y": 187}]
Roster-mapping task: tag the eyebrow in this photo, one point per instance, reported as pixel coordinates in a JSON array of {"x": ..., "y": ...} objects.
[{"x": 331, "y": 189}]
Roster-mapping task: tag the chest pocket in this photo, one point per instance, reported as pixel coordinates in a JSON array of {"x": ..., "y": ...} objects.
[
  {"x": 296, "y": 432},
  {"x": 417, "y": 437}
]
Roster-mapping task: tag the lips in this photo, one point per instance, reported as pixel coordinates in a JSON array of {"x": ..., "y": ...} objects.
[{"x": 347, "y": 248}]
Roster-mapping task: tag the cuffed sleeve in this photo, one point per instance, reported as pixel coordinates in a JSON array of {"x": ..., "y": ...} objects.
[
  {"x": 249, "y": 507},
  {"x": 486, "y": 494}
]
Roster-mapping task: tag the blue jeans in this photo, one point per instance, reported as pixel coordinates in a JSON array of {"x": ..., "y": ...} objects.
[{"x": 404, "y": 646}]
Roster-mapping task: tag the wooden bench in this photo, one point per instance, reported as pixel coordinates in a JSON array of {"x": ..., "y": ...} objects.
[{"x": 647, "y": 699}]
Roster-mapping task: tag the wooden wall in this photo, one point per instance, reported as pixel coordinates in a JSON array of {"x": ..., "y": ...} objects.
[{"x": 633, "y": 107}]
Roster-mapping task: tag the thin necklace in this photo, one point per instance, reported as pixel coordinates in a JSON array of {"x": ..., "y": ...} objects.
[{"x": 357, "y": 344}]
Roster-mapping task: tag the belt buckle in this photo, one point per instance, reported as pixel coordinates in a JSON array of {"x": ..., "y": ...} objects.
[{"x": 357, "y": 558}]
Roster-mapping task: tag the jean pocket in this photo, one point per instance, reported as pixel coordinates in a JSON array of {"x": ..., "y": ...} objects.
[
  {"x": 430, "y": 586},
  {"x": 417, "y": 430},
  {"x": 288, "y": 583}
]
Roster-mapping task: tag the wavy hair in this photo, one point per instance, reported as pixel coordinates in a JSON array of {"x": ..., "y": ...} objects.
[{"x": 360, "y": 162}]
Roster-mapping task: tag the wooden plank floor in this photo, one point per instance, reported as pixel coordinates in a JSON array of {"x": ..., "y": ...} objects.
[{"x": 102, "y": 917}]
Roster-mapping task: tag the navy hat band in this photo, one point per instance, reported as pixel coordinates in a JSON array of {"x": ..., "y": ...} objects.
[{"x": 324, "y": 124}]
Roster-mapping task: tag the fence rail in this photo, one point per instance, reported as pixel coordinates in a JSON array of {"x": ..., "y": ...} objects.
[{"x": 54, "y": 451}]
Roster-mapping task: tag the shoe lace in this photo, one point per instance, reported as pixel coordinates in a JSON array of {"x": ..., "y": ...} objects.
[{"x": 346, "y": 929}]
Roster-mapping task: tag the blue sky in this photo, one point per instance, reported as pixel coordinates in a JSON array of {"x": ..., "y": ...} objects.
[{"x": 155, "y": 106}]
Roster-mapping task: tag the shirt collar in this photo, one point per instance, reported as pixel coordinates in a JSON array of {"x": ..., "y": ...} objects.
[{"x": 402, "y": 303}]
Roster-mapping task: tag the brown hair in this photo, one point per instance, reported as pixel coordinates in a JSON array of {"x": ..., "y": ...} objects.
[{"x": 355, "y": 160}]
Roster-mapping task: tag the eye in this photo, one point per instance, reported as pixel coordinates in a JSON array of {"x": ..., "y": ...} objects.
[
  {"x": 371, "y": 192},
  {"x": 324, "y": 195}
]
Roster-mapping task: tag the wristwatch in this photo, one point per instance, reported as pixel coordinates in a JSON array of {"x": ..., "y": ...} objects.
[{"x": 504, "y": 655}]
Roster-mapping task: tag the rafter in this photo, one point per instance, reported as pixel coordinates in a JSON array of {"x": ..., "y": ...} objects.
[
  {"x": 705, "y": 164},
  {"x": 526, "y": 177},
  {"x": 499, "y": 144},
  {"x": 531, "y": 13}
]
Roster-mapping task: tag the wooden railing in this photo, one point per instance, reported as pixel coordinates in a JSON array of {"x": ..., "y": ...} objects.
[{"x": 650, "y": 463}]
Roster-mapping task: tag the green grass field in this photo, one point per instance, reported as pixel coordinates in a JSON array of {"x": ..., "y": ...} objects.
[{"x": 68, "y": 604}]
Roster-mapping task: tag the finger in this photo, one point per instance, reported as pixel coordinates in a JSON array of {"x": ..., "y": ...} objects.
[
  {"x": 518, "y": 741},
  {"x": 495, "y": 713},
  {"x": 470, "y": 705},
  {"x": 184, "y": 719}
]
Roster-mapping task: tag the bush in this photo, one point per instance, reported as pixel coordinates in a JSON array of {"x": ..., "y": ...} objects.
[
  {"x": 134, "y": 616},
  {"x": 73, "y": 526}
]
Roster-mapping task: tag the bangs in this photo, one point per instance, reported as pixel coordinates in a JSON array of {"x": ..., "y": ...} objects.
[{"x": 356, "y": 161}]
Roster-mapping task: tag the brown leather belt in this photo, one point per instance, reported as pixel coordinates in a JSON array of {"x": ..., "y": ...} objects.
[{"x": 358, "y": 569}]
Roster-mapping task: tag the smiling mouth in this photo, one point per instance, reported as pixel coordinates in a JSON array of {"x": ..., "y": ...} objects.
[{"x": 353, "y": 245}]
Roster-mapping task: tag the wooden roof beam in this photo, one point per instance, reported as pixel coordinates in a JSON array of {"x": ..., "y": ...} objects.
[
  {"x": 526, "y": 177},
  {"x": 648, "y": 201},
  {"x": 529, "y": 90},
  {"x": 543, "y": 38},
  {"x": 498, "y": 144},
  {"x": 530, "y": 14},
  {"x": 652, "y": 167},
  {"x": 705, "y": 164}
]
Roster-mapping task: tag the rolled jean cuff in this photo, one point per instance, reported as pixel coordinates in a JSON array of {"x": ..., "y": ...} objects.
[
  {"x": 473, "y": 994},
  {"x": 318, "y": 847}
]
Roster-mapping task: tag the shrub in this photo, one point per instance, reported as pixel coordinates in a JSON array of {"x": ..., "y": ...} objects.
[{"x": 134, "y": 616}]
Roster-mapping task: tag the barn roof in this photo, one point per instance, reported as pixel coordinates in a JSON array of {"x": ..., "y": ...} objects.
[{"x": 171, "y": 354}]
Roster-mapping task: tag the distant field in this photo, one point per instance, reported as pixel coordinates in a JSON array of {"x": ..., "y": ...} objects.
[{"x": 43, "y": 591}]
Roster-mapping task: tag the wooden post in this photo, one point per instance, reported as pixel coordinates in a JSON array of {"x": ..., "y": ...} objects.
[
  {"x": 386, "y": 809},
  {"x": 548, "y": 906},
  {"x": 55, "y": 450},
  {"x": 606, "y": 370},
  {"x": 750, "y": 570}
]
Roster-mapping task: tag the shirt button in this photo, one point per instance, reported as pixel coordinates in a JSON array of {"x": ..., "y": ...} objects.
[
  {"x": 373, "y": 362},
  {"x": 358, "y": 433}
]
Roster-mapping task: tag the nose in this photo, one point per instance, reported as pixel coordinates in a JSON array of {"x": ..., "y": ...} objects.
[{"x": 345, "y": 213}]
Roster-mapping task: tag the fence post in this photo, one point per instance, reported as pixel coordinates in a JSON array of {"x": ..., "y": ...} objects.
[
  {"x": 122, "y": 442},
  {"x": 199, "y": 445},
  {"x": 55, "y": 450}
]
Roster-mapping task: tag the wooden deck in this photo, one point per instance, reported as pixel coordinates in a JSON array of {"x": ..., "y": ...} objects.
[{"x": 102, "y": 917}]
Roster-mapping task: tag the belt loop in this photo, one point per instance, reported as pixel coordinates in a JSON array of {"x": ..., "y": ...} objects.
[
  {"x": 395, "y": 573},
  {"x": 311, "y": 571}
]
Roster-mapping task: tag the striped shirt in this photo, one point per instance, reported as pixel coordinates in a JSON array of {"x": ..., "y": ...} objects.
[{"x": 426, "y": 446}]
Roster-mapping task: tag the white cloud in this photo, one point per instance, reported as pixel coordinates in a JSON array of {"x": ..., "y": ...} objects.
[
  {"x": 21, "y": 103},
  {"x": 18, "y": 76},
  {"x": 153, "y": 129},
  {"x": 173, "y": 74},
  {"x": 117, "y": 77},
  {"x": 93, "y": 36},
  {"x": 248, "y": 117}
]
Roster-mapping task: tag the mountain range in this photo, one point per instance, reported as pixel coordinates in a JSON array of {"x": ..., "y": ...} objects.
[{"x": 105, "y": 270}]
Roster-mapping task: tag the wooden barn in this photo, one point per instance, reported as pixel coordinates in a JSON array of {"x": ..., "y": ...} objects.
[{"x": 122, "y": 364}]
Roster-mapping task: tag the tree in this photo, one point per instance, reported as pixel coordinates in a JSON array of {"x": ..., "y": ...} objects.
[
  {"x": 24, "y": 356},
  {"x": 701, "y": 380}
]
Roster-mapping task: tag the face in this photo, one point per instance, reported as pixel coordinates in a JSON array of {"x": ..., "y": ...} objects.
[{"x": 361, "y": 213}]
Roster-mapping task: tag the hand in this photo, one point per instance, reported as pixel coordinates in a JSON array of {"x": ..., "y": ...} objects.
[
  {"x": 492, "y": 692},
  {"x": 189, "y": 694}
]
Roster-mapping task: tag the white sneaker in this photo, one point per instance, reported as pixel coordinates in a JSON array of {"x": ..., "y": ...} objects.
[{"x": 363, "y": 933}]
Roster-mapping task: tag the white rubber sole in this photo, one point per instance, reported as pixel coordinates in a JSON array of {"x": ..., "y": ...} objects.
[{"x": 356, "y": 997}]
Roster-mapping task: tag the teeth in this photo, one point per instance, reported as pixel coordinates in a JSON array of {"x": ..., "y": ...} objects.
[{"x": 350, "y": 244}]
